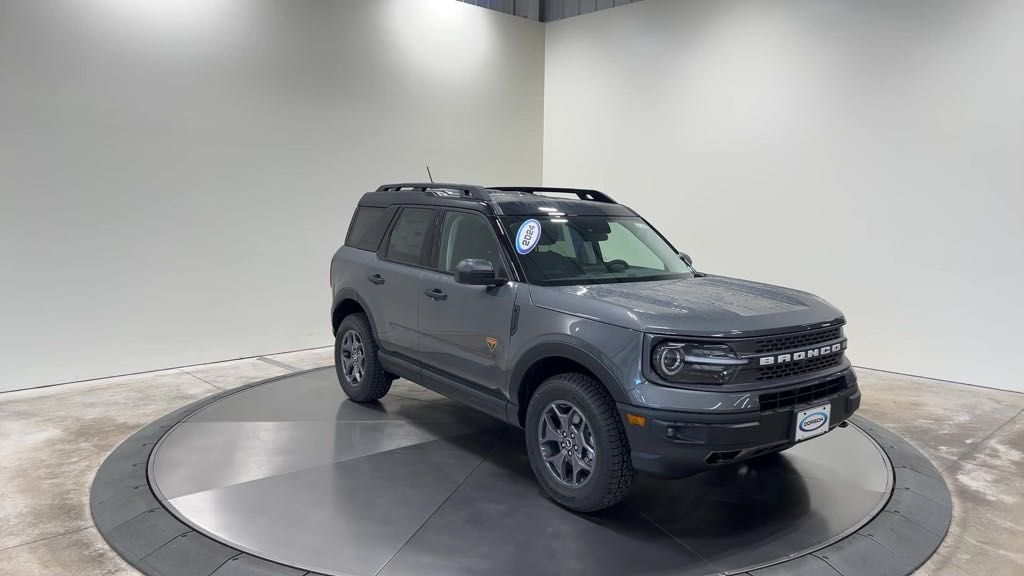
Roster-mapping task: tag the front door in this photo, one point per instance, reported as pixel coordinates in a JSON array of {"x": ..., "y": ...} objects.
[{"x": 464, "y": 330}]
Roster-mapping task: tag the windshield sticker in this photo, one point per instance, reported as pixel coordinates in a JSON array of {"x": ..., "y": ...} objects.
[{"x": 528, "y": 236}]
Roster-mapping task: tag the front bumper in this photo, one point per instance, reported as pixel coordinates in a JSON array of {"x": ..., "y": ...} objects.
[{"x": 679, "y": 443}]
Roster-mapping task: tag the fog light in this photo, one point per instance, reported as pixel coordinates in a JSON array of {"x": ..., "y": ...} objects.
[{"x": 687, "y": 433}]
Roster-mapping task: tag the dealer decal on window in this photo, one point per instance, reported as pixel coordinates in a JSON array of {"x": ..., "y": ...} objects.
[{"x": 528, "y": 236}]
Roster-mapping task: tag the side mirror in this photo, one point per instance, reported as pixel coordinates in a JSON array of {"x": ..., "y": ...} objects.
[
  {"x": 477, "y": 272},
  {"x": 686, "y": 258}
]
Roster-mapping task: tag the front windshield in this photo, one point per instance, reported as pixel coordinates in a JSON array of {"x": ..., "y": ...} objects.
[{"x": 566, "y": 250}]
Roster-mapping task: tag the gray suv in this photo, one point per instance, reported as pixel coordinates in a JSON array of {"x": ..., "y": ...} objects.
[{"x": 567, "y": 314}]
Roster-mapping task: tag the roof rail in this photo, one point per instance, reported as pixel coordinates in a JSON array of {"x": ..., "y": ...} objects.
[
  {"x": 581, "y": 193},
  {"x": 440, "y": 189}
]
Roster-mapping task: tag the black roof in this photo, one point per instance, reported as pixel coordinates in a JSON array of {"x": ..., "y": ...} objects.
[{"x": 498, "y": 200}]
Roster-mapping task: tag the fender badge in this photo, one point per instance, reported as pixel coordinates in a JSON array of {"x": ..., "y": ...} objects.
[{"x": 491, "y": 343}]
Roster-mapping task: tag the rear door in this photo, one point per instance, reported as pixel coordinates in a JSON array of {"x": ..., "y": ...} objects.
[
  {"x": 393, "y": 283},
  {"x": 464, "y": 330}
]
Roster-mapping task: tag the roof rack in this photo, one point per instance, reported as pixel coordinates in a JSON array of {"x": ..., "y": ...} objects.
[
  {"x": 581, "y": 193},
  {"x": 472, "y": 191},
  {"x": 439, "y": 189}
]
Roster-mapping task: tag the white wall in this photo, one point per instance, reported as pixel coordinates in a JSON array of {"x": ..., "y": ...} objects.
[
  {"x": 870, "y": 152},
  {"x": 176, "y": 174}
]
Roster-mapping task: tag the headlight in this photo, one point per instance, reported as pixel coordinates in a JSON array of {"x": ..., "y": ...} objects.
[{"x": 691, "y": 363}]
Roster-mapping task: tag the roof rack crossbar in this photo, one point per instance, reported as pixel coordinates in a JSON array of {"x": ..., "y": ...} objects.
[
  {"x": 581, "y": 193},
  {"x": 467, "y": 190}
]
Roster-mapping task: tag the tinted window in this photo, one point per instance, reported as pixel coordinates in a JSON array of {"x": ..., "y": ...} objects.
[
  {"x": 407, "y": 237},
  {"x": 467, "y": 236},
  {"x": 367, "y": 228}
]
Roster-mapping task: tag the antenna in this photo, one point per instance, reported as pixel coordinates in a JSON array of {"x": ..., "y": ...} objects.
[{"x": 429, "y": 175}]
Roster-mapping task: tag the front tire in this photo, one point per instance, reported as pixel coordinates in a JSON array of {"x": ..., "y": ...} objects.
[
  {"x": 355, "y": 359},
  {"x": 576, "y": 443}
]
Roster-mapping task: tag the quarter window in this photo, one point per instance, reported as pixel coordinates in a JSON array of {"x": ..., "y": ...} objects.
[
  {"x": 367, "y": 228},
  {"x": 406, "y": 242}
]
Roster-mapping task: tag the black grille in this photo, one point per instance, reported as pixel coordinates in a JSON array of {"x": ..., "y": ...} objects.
[
  {"x": 790, "y": 341},
  {"x": 802, "y": 395},
  {"x": 807, "y": 366}
]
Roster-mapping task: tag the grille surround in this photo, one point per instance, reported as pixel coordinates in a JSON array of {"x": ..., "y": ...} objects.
[
  {"x": 752, "y": 375},
  {"x": 792, "y": 342}
]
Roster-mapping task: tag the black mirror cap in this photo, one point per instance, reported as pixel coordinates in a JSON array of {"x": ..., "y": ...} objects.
[
  {"x": 477, "y": 272},
  {"x": 686, "y": 259}
]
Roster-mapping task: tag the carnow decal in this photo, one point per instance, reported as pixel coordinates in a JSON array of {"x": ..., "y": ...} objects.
[{"x": 528, "y": 236}]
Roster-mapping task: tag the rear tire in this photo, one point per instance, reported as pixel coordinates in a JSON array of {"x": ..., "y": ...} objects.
[
  {"x": 355, "y": 359},
  {"x": 576, "y": 443}
]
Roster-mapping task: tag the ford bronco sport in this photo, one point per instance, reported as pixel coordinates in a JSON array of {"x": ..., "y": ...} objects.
[{"x": 567, "y": 314}]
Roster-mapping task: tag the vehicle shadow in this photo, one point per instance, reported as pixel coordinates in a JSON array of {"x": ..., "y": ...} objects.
[
  {"x": 731, "y": 517},
  {"x": 743, "y": 497}
]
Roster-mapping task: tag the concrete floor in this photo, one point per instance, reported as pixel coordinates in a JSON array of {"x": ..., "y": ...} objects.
[{"x": 53, "y": 439}]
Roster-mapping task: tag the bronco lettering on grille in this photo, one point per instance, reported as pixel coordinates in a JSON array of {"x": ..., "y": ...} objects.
[{"x": 802, "y": 355}]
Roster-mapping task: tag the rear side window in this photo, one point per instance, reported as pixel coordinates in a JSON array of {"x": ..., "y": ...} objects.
[
  {"x": 367, "y": 228},
  {"x": 406, "y": 242}
]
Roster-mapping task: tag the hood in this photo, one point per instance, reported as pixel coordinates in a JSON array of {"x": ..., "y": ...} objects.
[{"x": 709, "y": 306}]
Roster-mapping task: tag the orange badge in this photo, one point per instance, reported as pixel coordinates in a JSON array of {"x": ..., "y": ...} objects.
[{"x": 491, "y": 343}]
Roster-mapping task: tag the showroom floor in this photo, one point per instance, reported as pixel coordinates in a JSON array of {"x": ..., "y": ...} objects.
[{"x": 53, "y": 439}]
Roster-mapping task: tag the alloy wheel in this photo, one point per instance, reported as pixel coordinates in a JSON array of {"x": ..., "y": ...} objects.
[
  {"x": 353, "y": 360},
  {"x": 567, "y": 443}
]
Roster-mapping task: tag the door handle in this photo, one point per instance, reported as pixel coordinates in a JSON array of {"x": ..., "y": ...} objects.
[
  {"x": 376, "y": 279},
  {"x": 436, "y": 294}
]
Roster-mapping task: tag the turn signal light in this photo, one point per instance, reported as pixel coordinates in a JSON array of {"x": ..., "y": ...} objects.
[{"x": 636, "y": 420}]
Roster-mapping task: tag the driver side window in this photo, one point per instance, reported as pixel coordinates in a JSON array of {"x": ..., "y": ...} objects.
[{"x": 465, "y": 235}]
